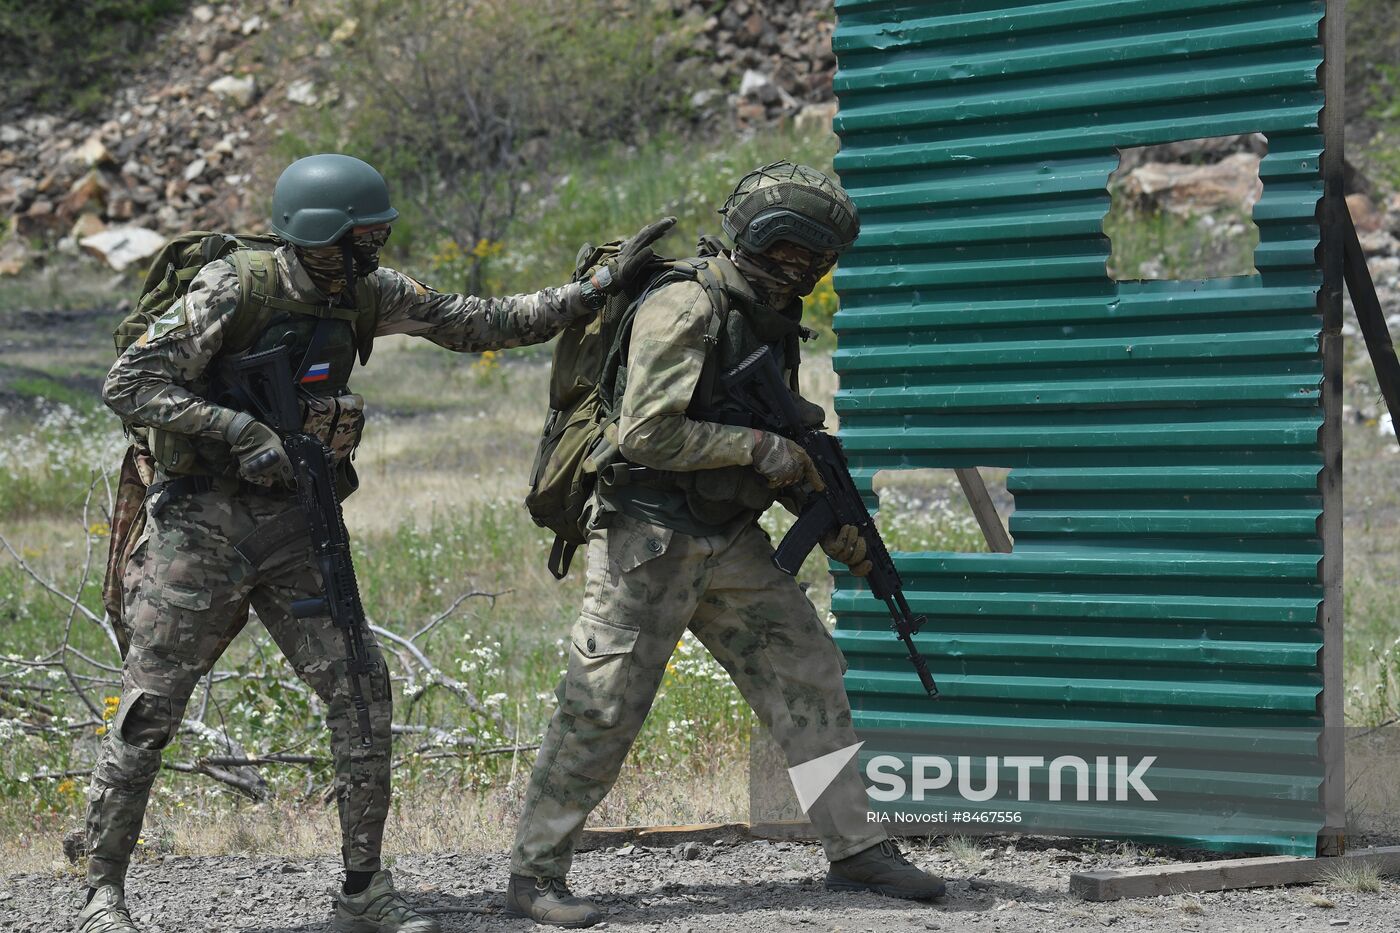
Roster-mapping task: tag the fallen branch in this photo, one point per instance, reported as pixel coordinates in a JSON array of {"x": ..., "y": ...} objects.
[
  {"x": 243, "y": 778},
  {"x": 437, "y": 678}
]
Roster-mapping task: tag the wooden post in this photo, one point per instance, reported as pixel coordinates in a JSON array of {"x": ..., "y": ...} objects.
[{"x": 984, "y": 510}]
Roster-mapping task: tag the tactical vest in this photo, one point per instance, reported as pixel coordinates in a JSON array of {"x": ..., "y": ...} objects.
[
  {"x": 265, "y": 318},
  {"x": 708, "y": 501}
]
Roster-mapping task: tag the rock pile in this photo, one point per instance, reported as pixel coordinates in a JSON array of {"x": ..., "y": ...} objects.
[
  {"x": 176, "y": 147},
  {"x": 173, "y": 150},
  {"x": 780, "y": 50}
]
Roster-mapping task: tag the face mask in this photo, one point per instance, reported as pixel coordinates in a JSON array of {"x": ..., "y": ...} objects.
[
  {"x": 366, "y": 247},
  {"x": 326, "y": 264},
  {"x": 784, "y": 272}
]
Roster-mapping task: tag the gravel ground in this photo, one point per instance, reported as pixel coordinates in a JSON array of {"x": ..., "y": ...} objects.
[{"x": 1021, "y": 885}]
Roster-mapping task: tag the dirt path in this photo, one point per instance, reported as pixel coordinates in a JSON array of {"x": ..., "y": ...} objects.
[{"x": 756, "y": 886}]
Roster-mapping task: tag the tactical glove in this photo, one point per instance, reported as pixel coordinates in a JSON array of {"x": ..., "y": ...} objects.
[
  {"x": 784, "y": 463},
  {"x": 618, "y": 274},
  {"x": 261, "y": 457},
  {"x": 845, "y": 545}
]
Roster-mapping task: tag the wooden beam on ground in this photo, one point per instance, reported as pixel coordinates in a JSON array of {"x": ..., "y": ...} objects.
[
  {"x": 1227, "y": 875},
  {"x": 602, "y": 837},
  {"x": 984, "y": 510}
]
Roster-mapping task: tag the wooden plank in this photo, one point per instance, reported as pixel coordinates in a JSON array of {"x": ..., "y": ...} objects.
[
  {"x": 1338, "y": 238},
  {"x": 984, "y": 510},
  {"x": 602, "y": 837},
  {"x": 1227, "y": 875}
]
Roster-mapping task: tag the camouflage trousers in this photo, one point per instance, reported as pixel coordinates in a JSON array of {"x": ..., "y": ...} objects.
[
  {"x": 646, "y": 585},
  {"x": 204, "y": 559}
]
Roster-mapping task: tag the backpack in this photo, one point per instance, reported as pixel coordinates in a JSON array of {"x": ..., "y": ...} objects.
[{"x": 576, "y": 443}]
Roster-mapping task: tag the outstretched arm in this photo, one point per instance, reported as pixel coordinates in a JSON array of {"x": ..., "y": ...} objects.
[{"x": 468, "y": 324}]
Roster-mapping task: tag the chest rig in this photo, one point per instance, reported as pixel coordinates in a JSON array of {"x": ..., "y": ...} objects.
[
  {"x": 738, "y": 326},
  {"x": 324, "y": 342}
]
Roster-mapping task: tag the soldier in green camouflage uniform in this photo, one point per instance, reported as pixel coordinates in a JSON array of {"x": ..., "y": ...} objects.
[
  {"x": 678, "y": 546},
  {"x": 223, "y": 535}
]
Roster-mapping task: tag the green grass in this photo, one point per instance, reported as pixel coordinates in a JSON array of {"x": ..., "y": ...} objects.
[
  {"x": 602, "y": 195},
  {"x": 1164, "y": 245}
]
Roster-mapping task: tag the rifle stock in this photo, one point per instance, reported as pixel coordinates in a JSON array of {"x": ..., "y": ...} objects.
[{"x": 758, "y": 384}]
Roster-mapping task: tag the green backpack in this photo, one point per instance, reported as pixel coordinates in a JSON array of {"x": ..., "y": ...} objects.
[
  {"x": 576, "y": 443},
  {"x": 168, "y": 279}
]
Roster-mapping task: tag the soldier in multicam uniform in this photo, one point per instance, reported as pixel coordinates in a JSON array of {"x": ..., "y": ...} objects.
[
  {"x": 223, "y": 534},
  {"x": 678, "y": 546}
]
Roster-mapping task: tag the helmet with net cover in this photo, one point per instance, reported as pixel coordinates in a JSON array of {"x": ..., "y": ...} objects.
[{"x": 783, "y": 201}]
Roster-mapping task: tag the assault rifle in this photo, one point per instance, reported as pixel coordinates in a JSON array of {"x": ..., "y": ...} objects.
[
  {"x": 757, "y": 383},
  {"x": 264, "y": 382}
]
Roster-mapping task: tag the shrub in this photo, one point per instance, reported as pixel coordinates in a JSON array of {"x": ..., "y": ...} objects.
[
  {"x": 464, "y": 103},
  {"x": 61, "y": 55}
]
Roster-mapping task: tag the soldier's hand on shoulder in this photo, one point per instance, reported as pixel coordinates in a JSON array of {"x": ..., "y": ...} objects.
[{"x": 618, "y": 274}]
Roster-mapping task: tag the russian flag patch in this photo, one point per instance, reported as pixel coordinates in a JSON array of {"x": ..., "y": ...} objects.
[{"x": 317, "y": 372}]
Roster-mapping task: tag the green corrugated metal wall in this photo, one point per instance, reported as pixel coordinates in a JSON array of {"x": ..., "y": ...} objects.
[{"x": 1164, "y": 437}]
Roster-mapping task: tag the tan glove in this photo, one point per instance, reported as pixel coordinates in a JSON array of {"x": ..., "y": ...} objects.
[
  {"x": 261, "y": 457},
  {"x": 845, "y": 545},
  {"x": 784, "y": 463}
]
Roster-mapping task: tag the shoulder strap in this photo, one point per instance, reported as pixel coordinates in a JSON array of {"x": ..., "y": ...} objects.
[
  {"x": 257, "y": 297},
  {"x": 254, "y": 270},
  {"x": 714, "y": 330}
]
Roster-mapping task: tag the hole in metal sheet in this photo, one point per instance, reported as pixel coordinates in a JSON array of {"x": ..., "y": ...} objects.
[
  {"x": 1184, "y": 210},
  {"x": 928, "y": 509}
]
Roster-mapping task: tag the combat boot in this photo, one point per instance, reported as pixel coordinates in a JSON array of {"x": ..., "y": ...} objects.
[
  {"x": 549, "y": 900},
  {"x": 379, "y": 909},
  {"x": 884, "y": 870},
  {"x": 106, "y": 913}
]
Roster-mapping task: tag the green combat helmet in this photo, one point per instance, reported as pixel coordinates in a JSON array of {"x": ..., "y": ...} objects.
[
  {"x": 318, "y": 199},
  {"x": 785, "y": 201}
]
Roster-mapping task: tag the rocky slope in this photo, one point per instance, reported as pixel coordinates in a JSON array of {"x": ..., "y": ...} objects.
[{"x": 178, "y": 145}]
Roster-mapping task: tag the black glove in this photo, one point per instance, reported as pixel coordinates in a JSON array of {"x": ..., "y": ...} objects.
[{"x": 617, "y": 274}]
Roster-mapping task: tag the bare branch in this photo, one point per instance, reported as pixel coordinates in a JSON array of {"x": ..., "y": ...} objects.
[
  {"x": 438, "y": 678},
  {"x": 446, "y": 613},
  {"x": 32, "y": 574}
]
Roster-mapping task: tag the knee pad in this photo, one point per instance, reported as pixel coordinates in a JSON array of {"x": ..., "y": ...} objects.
[{"x": 147, "y": 721}]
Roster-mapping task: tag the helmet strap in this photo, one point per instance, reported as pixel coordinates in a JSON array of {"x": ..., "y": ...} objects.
[{"x": 347, "y": 254}]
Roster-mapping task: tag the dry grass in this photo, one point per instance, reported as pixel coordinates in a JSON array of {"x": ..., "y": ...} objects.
[
  {"x": 967, "y": 852},
  {"x": 1353, "y": 876},
  {"x": 1190, "y": 904},
  {"x": 474, "y": 821}
]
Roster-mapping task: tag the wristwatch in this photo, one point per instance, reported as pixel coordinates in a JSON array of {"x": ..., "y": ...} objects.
[{"x": 592, "y": 297}]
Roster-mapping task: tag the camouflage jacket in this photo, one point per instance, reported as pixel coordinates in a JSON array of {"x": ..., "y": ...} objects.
[
  {"x": 666, "y": 355},
  {"x": 160, "y": 380}
]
